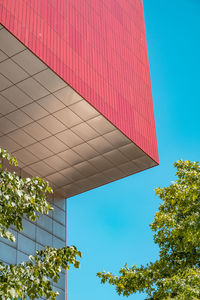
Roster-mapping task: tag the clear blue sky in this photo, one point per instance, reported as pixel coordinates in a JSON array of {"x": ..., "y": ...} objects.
[{"x": 110, "y": 225}]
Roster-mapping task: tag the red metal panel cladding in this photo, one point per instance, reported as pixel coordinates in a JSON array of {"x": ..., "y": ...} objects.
[{"x": 99, "y": 48}]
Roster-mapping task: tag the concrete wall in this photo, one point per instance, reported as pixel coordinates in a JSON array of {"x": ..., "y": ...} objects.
[{"x": 47, "y": 230}]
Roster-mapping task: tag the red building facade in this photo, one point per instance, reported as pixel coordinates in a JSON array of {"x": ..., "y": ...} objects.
[{"x": 99, "y": 49}]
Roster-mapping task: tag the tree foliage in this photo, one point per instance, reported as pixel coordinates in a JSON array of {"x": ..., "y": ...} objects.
[
  {"x": 176, "y": 275},
  {"x": 34, "y": 278},
  {"x": 21, "y": 197}
]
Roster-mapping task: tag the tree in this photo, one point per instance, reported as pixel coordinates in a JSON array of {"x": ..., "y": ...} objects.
[
  {"x": 176, "y": 274},
  {"x": 28, "y": 196}
]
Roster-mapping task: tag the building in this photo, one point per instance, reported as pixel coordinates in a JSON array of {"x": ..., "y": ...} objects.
[{"x": 75, "y": 102}]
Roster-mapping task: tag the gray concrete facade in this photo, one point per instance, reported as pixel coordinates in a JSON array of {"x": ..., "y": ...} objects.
[{"x": 47, "y": 230}]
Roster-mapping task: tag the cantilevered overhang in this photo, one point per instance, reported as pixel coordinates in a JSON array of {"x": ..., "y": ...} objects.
[{"x": 53, "y": 131}]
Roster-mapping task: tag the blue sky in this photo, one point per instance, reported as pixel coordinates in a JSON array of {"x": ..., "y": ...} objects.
[{"x": 110, "y": 225}]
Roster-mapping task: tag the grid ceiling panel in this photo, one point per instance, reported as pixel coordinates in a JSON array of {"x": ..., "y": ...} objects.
[{"x": 53, "y": 131}]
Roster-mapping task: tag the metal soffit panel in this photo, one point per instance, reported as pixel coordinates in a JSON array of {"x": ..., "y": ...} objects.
[{"x": 53, "y": 131}]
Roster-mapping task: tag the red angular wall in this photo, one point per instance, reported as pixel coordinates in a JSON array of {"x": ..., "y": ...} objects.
[{"x": 99, "y": 48}]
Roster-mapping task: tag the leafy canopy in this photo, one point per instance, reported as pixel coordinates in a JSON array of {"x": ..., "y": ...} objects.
[
  {"x": 19, "y": 197},
  {"x": 176, "y": 275},
  {"x": 25, "y": 197}
]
